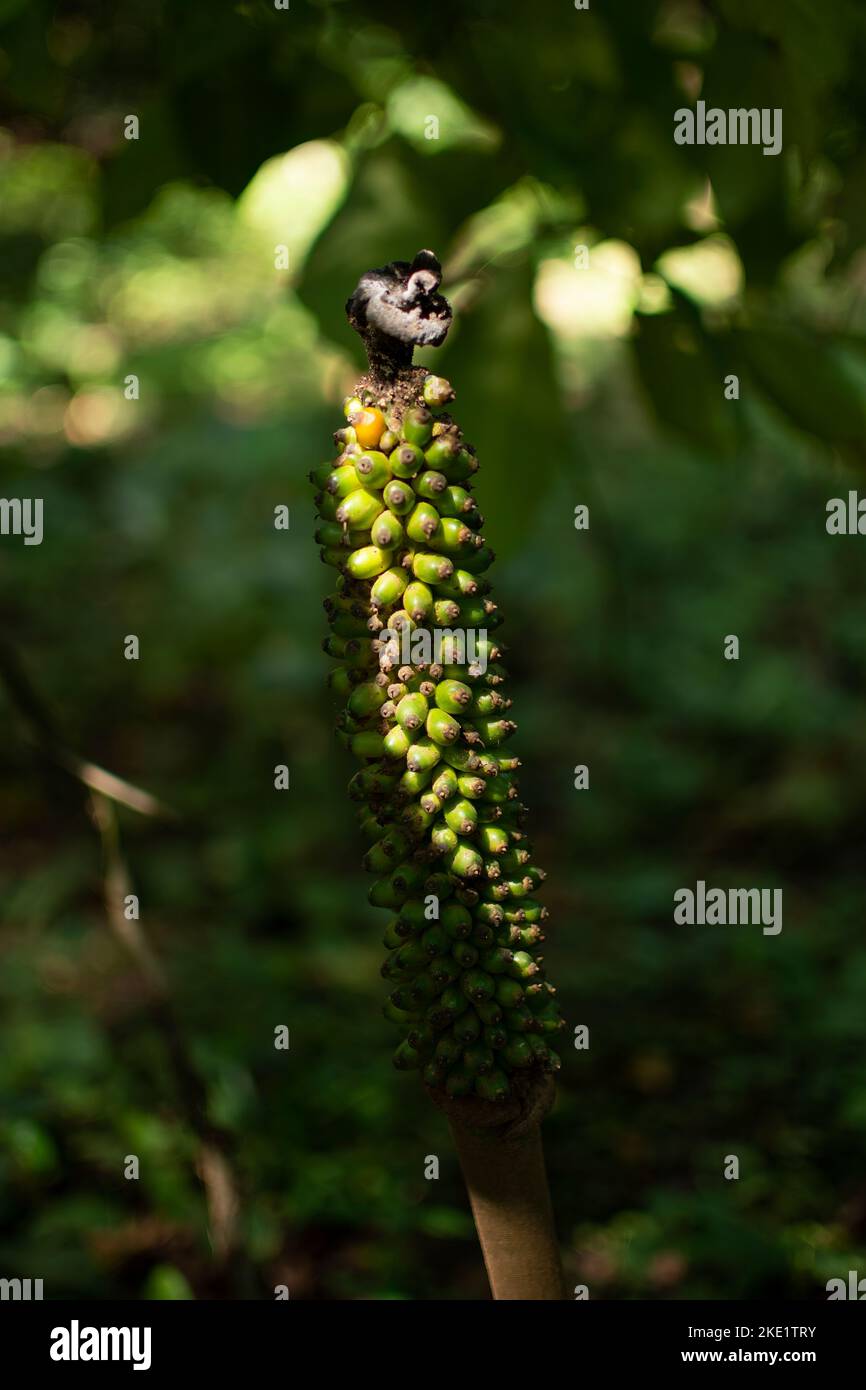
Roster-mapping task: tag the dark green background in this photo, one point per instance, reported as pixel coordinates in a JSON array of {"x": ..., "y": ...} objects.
[{"x": 707, "y": 518}]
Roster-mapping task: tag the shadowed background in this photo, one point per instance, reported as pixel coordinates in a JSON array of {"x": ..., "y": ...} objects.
[{"x": 605, "y": 283}]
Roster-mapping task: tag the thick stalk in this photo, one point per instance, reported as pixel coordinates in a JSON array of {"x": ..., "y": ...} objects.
[{"x": 502, "y": 1159}]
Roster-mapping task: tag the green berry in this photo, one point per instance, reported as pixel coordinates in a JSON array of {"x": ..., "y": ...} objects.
[
  {"x": 343, "y": 481},
  {"x": 417, "y": 426},
  {"x": 422, "y": 755},
  {"x": 478, "y": 560},
  {"x": 330, "y": 534},
  {"x": 467, "y": 1029},
  {"x": 414, "y": 781},
  {"x": 392, "y": 939},
  {"x": 478, "y": 1059},
  {"x": 465, "y": 862},
  {"x": 442, "y": 728},
  {"x": 459, "y": 582},
  {"x": 388, "y": 588},
  {"x": 420, "y": 1037},
  {"x": 454, "y": 1001},
  {"x": 437, "y": 392},
  {"x": 397, "y": 1015},
  {"x": 448, "y": 1051},
  {"x": 442, "y": 453},
  {"x": 435, "y": 941},
  {"x": 518, "y": 1052},
  {"x": 373, "y": 469},
  {"x": 418, "y": 602},
  {"x": 367, "y": 745},
  {"x": 508, "y": 993},
  {"x": 367, "y": 562},
  {"x": 497, "y": 961},
  {"x": 494, "y": 731},
  {"x": 396, "y": 742},
  {"x": 492, "y": 839},
  {"x": 359, "y": 509},
  {"x": 446, "y": 612},
  {"x": 454, "y": 500},
  {"x": 406, "y": 461},
  {"x": 411, "y": 712},
  {"x": 386, "y": 531},
  {"x": 398, "y": 497},
  {"x": 462, "y": 759},
  {"x": 456, "y": 921},
  {"x": 417, "y": 819},
  {"x": 484, "y": 702},
  {"x": 431, "y": 485},
  {"x": 431, "y": 569},
  {"x": 423, "y": 523},
  {"x": 465, "y": 955},
  {"x": 453, "y": 696},
  {"x": 489, "y": 1012},
  {"x": 446, "y": 783},
  {"x": 320, "y": 474},
  {"x": 477, "y": 986},
  {"x": 442, "y": 838},
  {"x": 454, "y": 536},
  {"x": 462, "y": 816},
  {"x": 365, "y": 700},
  {"x": 406, "y": 1058},
  {"x": 495, "y": 1037}
]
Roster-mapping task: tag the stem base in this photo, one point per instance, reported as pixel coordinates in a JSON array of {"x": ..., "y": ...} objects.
[{"x": 502, "y": 1158}]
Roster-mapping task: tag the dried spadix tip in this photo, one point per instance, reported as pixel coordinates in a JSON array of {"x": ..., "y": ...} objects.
[{"x": 397, "y": 308}]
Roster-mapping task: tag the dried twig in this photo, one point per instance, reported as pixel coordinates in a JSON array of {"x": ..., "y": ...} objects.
[
  {"x": 105, "y": 790},
  {"x": 42, "y": 733}
]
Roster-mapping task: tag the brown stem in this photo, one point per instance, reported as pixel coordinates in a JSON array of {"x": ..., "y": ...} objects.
[{"x": 500, "y": 1151}]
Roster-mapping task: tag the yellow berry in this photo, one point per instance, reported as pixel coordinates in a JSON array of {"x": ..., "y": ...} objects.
[{"x": 369, "y": 427}]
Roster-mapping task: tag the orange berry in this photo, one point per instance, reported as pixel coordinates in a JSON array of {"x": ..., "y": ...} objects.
[{"x": 369, "y": 427}]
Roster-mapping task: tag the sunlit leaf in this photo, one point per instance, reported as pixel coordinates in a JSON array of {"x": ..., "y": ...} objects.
[{"x": 294, "y": 196}]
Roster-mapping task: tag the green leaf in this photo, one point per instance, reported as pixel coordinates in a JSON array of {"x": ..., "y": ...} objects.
[
  {"x": 684, "y": 378},
  {"x": 815, "y": 39},
  {"x": 812, "y": 379}
]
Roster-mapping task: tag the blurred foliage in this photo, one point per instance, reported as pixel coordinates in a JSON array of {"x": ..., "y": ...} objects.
[{"x": 592, "y": 378}]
